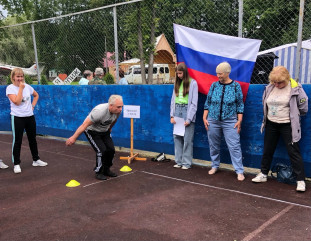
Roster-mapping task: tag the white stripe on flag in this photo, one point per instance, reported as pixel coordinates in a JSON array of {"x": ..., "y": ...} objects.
[{"x": 217, "y": 44}]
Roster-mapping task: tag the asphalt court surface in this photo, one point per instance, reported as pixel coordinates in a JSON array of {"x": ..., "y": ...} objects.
[{"x": 152, "y": 202}]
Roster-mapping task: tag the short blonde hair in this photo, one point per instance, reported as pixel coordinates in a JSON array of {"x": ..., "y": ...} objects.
[
  {"x": 223, "y": 67},
  {"x": 16, "y": 71},
  {"x": 279, "y": 74}
]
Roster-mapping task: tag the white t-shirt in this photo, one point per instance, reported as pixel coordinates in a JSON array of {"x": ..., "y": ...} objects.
[
  {"x": 278, "y": 104},
  {"x": 25, "y": 107}
]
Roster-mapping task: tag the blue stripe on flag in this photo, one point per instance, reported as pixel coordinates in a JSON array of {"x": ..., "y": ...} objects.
[{"x": 241, "y": 70}]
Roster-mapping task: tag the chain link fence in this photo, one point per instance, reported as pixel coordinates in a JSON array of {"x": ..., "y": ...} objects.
[{"x": 139, "y": 36}]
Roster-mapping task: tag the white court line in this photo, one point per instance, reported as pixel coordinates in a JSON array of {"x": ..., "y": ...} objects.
[
  {"x": 253, "y": 234},
  {"x": 109, "y": 179},
  {"x": 229, "y": 190},
  {"x": 81, "y": 158}
]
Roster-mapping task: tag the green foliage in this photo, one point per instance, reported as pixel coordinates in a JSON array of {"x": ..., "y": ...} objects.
[
  {"x": 8, "y": 80},
  {"x": 16, "y": 43},
  {"x": 274, "y": 22},
  {"x": 28, "y": 79},
  {"x": 82, "y": 40},
  {"x": 44, "y": 80},
  {"x": 108, "y": 78}
]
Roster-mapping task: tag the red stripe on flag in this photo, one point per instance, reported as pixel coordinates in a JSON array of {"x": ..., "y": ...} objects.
[{"x": 206, "y": 80}]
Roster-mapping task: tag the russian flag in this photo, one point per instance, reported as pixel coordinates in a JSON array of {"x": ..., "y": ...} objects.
[{"x": 202, "y": 51}]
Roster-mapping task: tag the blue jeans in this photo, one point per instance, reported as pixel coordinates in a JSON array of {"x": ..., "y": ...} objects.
[
  {"x": 232, "y": 138},
  {"x": 184, "y": 144}
]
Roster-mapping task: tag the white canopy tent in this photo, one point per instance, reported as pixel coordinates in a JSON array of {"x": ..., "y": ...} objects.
[{"x": 287, "y": 58}]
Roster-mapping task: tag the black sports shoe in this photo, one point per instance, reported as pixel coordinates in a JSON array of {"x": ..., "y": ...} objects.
[
  {"x": 110, "y": 173},
  {"x": 100, "y": 176}
]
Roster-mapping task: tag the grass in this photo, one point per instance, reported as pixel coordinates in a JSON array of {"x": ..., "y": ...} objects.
[{"x": 51, "y": 83}]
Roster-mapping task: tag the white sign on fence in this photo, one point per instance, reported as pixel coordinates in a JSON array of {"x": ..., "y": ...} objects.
[
  {"x": 131, "y": 111},
  {"x": 74, "y": 74},
  {"x": 58, "y": 81}
]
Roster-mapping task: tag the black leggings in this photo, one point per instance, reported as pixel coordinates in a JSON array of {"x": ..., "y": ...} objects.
[
  {"x": 19, "y": 124},
  {"x": 272, "y": 134}
]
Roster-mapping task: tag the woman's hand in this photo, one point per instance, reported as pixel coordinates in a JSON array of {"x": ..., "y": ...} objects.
[
  {"x": 238, "y": 126},
  {"x": 206, "y": 124},
  {"x": 22, "y": 85},
  {"x": 186, "y": 123},
  {"x": 173, "y": 120}
]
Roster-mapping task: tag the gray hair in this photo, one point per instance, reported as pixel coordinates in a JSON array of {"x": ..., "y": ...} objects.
[
  {"x": 99, "y": 71},
  {"x": 113, "y": 98},
  {"x": 223, "y": 67},
  {"x": 87, "y": 73}
]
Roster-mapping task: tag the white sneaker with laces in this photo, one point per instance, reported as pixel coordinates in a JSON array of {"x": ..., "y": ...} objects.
[
  {"x": 301, "y": 186},
  {"x": 260, "y": 178},
  {"x": 185, "y": 168},
  {"x": 17, "y": 169},
  {"x": 39, "y": 163},
  {"x": 2, "y": 165},
  {"x": 177, "y": 166}
]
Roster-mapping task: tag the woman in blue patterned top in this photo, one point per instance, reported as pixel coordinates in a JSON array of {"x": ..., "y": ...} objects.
[{"x": 223, "y": 113}]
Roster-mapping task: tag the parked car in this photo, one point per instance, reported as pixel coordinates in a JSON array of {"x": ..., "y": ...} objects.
[{"x": 161, "y": 74}]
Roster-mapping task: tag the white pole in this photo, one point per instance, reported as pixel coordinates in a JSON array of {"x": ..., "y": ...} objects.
[
  {"x": 35, "y": 49},
  {"x": 116, "y": 52},
  {"x": 299, "y": 40}
]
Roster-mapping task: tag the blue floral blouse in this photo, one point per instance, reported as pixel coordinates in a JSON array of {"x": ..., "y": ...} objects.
[{"x": 224, "y": 101}]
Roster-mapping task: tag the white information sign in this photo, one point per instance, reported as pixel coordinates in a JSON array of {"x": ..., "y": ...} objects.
[
  {"x": 131, "y": 111},
  {"x": 74, "y": 74},
  {"x": 58, "y": 81}
]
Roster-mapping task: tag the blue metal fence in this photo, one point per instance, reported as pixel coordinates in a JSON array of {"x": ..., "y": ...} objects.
[{"x": 61, "y": 109}]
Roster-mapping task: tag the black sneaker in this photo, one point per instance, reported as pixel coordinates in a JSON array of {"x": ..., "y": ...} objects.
[
  {"x": 110, "y": 173},
  {"x": 100, "y": 176}
]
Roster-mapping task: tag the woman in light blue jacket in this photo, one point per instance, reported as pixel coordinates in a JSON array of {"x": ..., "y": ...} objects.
[
  {"x": 184, "y": 104},
  {"x": 284, "y": 101}
]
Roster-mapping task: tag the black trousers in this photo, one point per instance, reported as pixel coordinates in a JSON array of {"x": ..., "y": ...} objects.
[
  {"x": 272, "y": 133},
  {"x": 19, "y": 124},
  {"x": 103, "y": 146}
]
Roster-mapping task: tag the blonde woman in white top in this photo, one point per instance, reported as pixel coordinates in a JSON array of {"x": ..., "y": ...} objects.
[{"x": 22, "y": 118}]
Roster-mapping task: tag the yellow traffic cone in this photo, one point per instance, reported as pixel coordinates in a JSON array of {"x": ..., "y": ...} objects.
[
  {"x": 73, "y": 183},
  {"x": 125, "y": 169}
]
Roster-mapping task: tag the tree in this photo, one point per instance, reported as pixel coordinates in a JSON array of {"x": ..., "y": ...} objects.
[
  {"x": 16, "y": 43},
  {"x": 274, "y": 22}
]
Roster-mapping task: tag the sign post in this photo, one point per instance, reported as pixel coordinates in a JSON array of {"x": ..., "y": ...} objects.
[{"x": 132, "y": 111}]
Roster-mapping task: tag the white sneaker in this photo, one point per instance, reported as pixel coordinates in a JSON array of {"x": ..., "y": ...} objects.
[
  {"x": 260, "y": 178},
  {"x": 2, "y": 165},
  {"x": 39, "y": 163},
  {"x": 17, "y": 169},
  {"x": 177, "y": 166},
  {"x": 301, "y": 186},
  {"x": 185, "y": 168}
]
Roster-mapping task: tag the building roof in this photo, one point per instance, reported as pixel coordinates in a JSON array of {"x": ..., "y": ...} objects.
[{"x": 305, "y": 45}]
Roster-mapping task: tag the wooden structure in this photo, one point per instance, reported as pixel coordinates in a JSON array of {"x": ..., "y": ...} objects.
[{"x": 132, "y": 155}]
